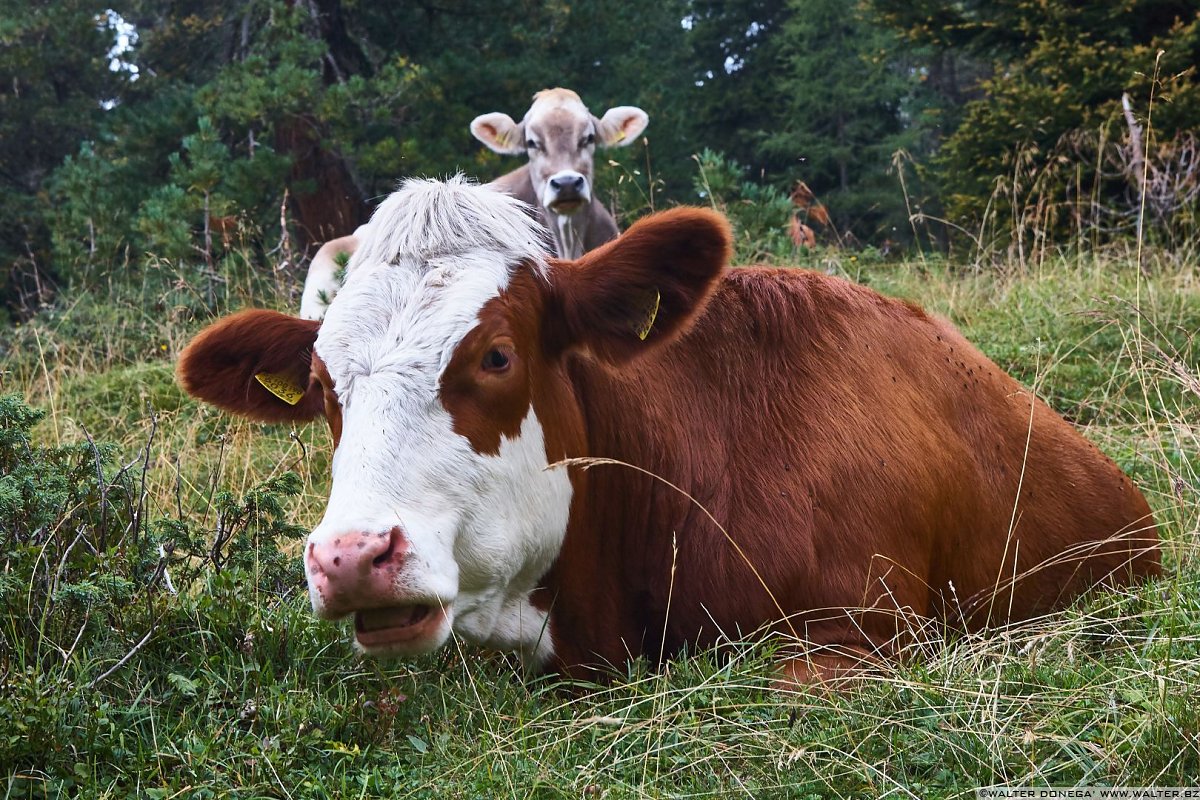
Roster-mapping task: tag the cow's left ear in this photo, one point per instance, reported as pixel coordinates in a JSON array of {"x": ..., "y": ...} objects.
[
  {"x": 640, "y": 290},
  {"x": 620, "y": 126},
  {"x": 499, "y": 133}
]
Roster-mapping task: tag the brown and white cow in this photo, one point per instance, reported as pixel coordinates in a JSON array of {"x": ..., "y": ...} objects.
[
  {"x": 560, "y": 136},
  {"x": 855, "y": 463}
]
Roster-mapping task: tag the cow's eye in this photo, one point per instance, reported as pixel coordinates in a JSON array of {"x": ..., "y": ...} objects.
[
  {"x": 531, "y": 144},
  {"x": 590, "y": 139},
  {"x": 496, "y": 360}
]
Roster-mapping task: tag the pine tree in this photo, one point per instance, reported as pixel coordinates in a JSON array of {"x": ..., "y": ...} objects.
[
  {"x": 735, "y": 55},
  {"x": 1058, "y": 69},
  {"x": 54, "y": 76},
  {"x": 847, "y": 100},
  {"x": 262, "y": 72}
]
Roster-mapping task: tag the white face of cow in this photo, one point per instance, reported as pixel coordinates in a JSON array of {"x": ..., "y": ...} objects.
[
  {"x": 423, "y": 533},
  {"x": 560, "y": 136}
]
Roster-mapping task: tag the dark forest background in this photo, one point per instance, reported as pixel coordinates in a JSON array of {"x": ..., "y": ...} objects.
[
  {"x": 1027, "y": 170},
  {"x": 140, "y": 130}
]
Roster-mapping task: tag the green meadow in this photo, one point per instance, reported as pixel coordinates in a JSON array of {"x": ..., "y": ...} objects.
[{"x": 156, "y": 641}]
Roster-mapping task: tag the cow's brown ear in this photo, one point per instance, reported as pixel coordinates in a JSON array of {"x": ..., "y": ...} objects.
[
  {"x": 639, "y": 290},
  {"x": 621, "y": 126},
  {"x": 499, "y": 133},
  {"x": 256, "y": 364}
]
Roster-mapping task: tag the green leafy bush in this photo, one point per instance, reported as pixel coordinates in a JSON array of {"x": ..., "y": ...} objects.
[
  {"x": 72, "y": 538},
  {"x": 760, "y": 213},
  {"x": 251, "y": 529},
  {"x": 79, "y": 548},
  {"x": 91, "y": 578}
]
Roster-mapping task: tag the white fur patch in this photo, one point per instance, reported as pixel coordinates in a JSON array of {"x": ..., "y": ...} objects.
[
  {"x": 481, "y": 529},
  {"x": 427, "y": 219},
  {"x": 569, "y": 235},
  {"x": 525, "y": 508},
  {"x": 521, "y": 627}
]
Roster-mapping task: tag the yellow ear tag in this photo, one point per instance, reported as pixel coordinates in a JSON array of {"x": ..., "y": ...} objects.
[
  {"x": 649, "y": 312},
  {"x": 620, "y": 137},
  {"x": 281, "y": 386},
  {"x": 502, "y": 139}
]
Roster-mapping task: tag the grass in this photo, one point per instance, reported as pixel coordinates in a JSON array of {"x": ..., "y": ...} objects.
[{"x": 238, "y": 692}]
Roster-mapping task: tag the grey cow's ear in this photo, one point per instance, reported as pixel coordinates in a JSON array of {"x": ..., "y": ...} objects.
[
  {"x": 499, "y": 133},
  {"x": 620, "y": 126}
]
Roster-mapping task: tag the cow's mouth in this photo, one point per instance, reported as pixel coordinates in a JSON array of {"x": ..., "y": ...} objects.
[
  {"x": 566, "y": 206},
  {"x": 397, "y": 626}
]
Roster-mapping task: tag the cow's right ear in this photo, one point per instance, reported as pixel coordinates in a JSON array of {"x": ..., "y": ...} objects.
[
  {"x": 232, "y": 362},
  {"x": 499, "y": 133},
  {"x": 641, "y": 290}
]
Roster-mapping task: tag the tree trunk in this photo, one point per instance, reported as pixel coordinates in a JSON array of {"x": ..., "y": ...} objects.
[{"x": 326, "y": 200}]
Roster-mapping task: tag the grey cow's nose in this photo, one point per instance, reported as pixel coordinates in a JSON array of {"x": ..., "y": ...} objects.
[{"x": 567, "y": 184}]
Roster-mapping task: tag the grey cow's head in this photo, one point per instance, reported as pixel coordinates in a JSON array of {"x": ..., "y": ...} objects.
[{"x": 560, "y": 136}]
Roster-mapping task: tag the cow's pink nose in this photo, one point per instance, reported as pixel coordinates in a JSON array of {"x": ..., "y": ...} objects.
[{"x": 356, "y": 570}]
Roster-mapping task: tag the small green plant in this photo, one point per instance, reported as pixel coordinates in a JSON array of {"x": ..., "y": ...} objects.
[
  {"x": 760, "y": 213},
  {"x": 627, "y": 182},
  {"x": 64, "y": 516},
  {"x": 251, "y": 532},
  {"x": 78, "y": 543}
]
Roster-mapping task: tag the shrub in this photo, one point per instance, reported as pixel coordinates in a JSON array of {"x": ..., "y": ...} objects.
[
  {"x": 80, "y": 547},
  {"x": 760, "y": 213}
]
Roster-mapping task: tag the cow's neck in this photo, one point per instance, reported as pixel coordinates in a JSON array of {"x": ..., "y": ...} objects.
[
  {"x": 570, "y": 232},
  {"x": 624, "y": 419}
]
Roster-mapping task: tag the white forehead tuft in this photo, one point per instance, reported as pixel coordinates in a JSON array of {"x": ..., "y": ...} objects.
[
  {"x": 433, "y": 255},
  {"x": 426, "y": 219}
]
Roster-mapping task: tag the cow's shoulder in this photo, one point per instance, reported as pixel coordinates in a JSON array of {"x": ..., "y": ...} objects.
[{"x": 517, "y": 184}]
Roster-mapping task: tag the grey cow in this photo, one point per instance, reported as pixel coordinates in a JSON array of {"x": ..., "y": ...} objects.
[{"x": 560, "y": 136}]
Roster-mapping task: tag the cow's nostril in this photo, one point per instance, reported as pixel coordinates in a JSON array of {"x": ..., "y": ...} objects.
[{"x": 394, "y": 537}]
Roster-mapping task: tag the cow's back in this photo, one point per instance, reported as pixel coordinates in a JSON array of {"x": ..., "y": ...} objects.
[{"x": 858, "y": 454}]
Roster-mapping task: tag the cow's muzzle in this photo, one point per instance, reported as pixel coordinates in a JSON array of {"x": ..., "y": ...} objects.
[
  {"x": 354, "y": 570},
  {"x": 357, "y": 573},
  {"x": 567, "y": 192}
]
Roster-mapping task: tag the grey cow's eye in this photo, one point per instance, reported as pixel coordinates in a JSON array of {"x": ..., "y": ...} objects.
[
  {"x": 531, "y": 144},
  {"x": 588, "y": 140}
]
